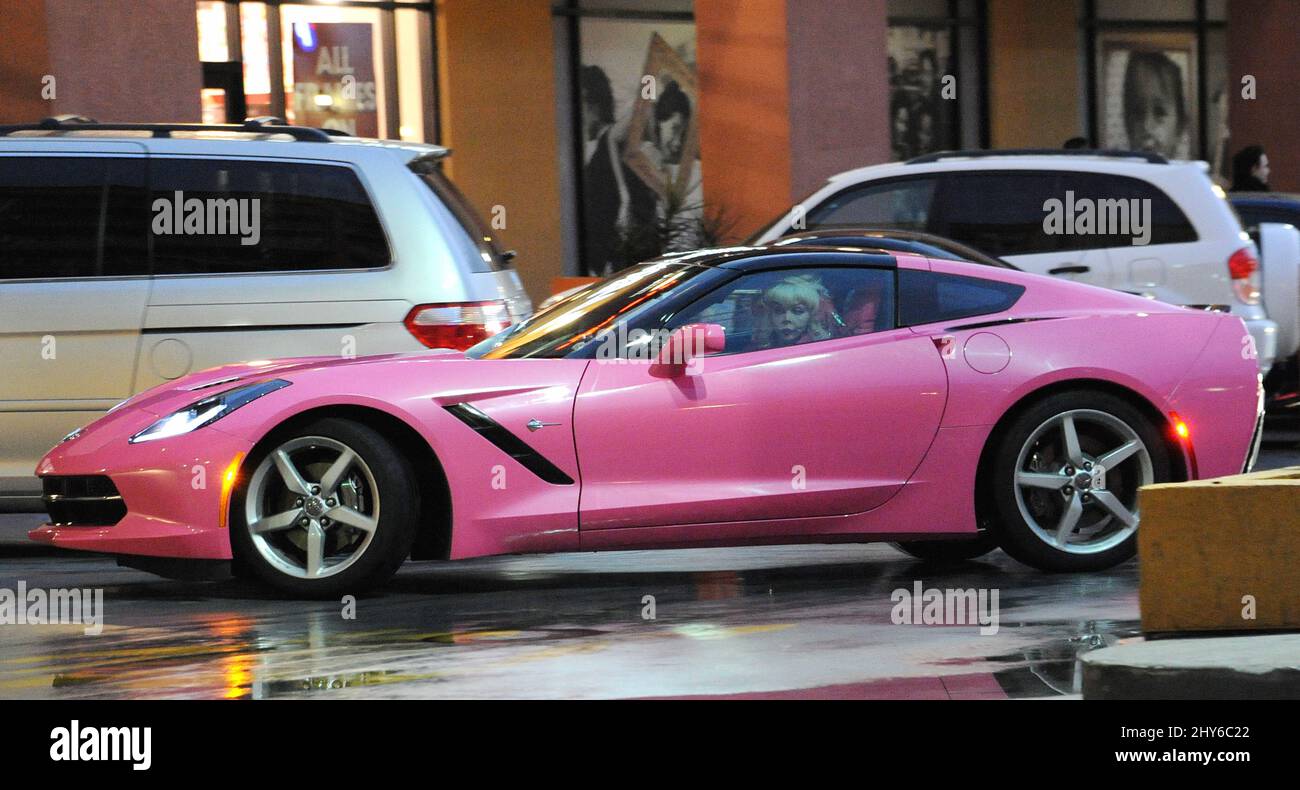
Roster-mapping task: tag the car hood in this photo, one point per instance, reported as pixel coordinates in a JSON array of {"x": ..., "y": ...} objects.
[{"x": 173, "y": 395}]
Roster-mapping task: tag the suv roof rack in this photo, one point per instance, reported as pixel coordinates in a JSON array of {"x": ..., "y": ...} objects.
[
  {"x": 262, "y": 125},
  {"x": 1155, "y": 159}
]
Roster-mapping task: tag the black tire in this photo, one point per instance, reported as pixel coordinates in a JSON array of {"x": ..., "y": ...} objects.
[
  {"x": 947, "y": 551},
  {"x": 1009, "y": 526},
  {"x": 396, "y": 490}
]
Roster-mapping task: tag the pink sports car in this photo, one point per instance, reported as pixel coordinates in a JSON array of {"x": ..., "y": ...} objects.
[{"x": 715, "y": 398}]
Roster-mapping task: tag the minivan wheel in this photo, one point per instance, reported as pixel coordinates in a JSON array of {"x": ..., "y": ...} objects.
[
  {"x": 1066, "y": 481},
  {"x": 329, "y": 509}
]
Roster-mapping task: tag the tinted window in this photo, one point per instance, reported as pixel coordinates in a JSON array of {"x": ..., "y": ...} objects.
[
  {"x": 305, "y": 217},
  {"x": 1003, "y": 213},
  {"x": 1114, "y": 196},
  {"x": 926, "y": 297},
  {"x": 72, "y": 217},
  {"x": 794, "y": 306},
  {"x": 892, "y": 204},
  {"x": 491, "y": 256},
  {"x": 998, "y": 213}
]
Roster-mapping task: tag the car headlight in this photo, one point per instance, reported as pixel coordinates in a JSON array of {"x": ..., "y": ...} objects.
[{"x": 207, "y": 411}]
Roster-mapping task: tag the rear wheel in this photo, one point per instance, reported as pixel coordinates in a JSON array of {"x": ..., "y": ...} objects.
[
  {"x": 1066, "y": 481},
  {"x": 329, "y": 509}
]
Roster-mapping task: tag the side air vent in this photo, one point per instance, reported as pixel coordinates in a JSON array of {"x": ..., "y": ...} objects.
[{"x": 509, "y": 444}]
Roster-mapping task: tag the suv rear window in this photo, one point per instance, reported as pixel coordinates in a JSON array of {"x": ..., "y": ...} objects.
[
  {"x": 1002, "y": 212},
  {"x": 491, "y": 257},
  {"x": 306, "y": 217},
  {"x": 72, "y": 216}
]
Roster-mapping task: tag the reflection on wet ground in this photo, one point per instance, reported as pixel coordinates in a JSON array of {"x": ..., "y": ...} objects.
[
  {"x": 811, "y": 621},
  {"x": 776, "y": 622}
]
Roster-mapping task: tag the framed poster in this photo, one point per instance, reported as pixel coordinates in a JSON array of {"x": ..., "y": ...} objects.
[
  {"x": 641, "y": 186},
  {"x": 1147, "y": 91},
  {"x": 921, "y": 121}
]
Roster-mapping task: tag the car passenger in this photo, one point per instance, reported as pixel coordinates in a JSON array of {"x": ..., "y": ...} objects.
[
  {"x": 864, "y": 311},
  {"x": 795, "y": 310}
]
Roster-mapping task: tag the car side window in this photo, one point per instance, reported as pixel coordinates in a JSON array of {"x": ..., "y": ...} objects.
[
  {"x": 998, "y": 213},
  {"x": 925, "y": 297},
  {"x": 1113, "y": 198},
  {"x": 901, "y": 203},
  {"x": 788, "y": 307},
  {"x": 258, "y": 216},
  {"x": 73, "y": 216}
]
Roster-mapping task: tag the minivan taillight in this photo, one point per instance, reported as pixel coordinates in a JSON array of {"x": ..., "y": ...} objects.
[
  {"x": 1243, "y": 267},
  {"x": 457, "y": 325}
]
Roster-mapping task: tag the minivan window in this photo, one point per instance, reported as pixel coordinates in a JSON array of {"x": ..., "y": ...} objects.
[
  {"x": 72, "y": 216},
  {"x": 491, "y": 257},
  {"x": 241, "y": 216}
]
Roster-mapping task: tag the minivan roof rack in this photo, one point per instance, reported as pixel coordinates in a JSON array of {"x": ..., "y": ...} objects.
[
  {"x": 1155, "y": 159},
  {"x": 262, "y": 125}
]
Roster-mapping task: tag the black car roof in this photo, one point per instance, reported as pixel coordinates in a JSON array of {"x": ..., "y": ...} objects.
[
  {"x": 769, "y": 257},
  {"x": 890, "y": 239}
]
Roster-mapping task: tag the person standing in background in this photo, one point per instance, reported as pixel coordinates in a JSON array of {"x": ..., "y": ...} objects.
[{"x": 1250, "y": 170}]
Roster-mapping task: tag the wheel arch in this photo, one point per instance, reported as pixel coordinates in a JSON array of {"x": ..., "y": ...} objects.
[
  {"x": 433, "y": 539},
  {"x": 983, "y": 488}
]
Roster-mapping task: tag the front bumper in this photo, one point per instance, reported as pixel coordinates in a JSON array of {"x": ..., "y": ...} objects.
[{"x": 172, "y": 490}]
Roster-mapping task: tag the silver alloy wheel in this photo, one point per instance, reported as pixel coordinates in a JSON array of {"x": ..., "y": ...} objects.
[
  {"x": 312, "y": 507},
  {"x": 1077, "y": 479}
]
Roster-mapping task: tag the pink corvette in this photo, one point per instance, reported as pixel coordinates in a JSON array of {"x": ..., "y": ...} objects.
[{"x": 724, "y": 397}]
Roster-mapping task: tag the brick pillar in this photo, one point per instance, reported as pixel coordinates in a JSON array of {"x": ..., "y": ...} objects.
[{"x": 790, "y": 92}]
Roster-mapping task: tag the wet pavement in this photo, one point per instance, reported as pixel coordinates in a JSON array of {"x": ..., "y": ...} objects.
[{"x": 773, "y": 622}]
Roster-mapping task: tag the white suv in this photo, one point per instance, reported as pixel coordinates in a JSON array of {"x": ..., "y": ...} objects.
[
  {"x": 132, "y": 254},
  {"x": 1190, "y": 250}
]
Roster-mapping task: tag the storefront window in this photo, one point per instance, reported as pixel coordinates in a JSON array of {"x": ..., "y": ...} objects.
[
  {"x": 933, "y": 47},
  {"x": 1159, "y": 78},
  {"x": 363, "y": 67}
]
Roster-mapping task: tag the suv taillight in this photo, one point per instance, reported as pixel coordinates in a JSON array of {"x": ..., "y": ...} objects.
[
  {"x": 1243, "y": 267},
  {"x": 457, "y": 325}
]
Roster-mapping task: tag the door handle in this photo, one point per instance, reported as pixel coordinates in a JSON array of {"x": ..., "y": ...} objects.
[{"x": 1070, "y": 270}]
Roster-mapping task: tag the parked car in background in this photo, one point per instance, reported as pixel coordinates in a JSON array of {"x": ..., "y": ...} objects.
[
  {"x": 1196, "y": 251},
  {"x": 925, "y": 244},
  {"x": 1272, "y": 219},
  {"x": 722, "y": 397},
  {"x": 110, "y": 284}
]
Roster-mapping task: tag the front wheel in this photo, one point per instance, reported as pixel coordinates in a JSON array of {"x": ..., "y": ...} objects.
[
  {"x": 329, "y": 509},
  {"x": 1066, "y": 481}
]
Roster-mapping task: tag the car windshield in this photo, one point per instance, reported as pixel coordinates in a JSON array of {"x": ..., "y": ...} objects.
[{"x": 571, "y": 324}]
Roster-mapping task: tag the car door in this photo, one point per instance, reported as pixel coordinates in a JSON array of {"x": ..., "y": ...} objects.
[
  {"x": 1002, "y": 213},
  {"x": 295, "y": 266},
  {"x": 74, "y": 281},
  {"x": 1151, "y": 245},
  {"x": 833, "y": 423}
]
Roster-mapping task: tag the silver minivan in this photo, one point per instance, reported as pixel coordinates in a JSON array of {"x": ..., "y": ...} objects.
[{"x": 132, "y": 254}]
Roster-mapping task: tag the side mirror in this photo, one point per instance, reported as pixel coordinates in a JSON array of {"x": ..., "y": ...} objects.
[{"x": 685, "y": 344}]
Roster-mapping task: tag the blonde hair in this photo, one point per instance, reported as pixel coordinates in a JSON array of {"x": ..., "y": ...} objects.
[{"x": 805, "y": 289}]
